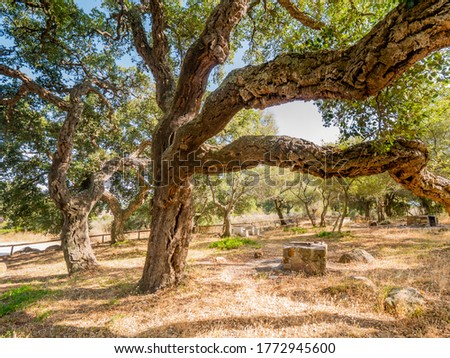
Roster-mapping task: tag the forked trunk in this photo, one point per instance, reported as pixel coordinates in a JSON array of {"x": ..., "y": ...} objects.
[
  {"x": 278, "y": 207},
  {"x": 169, "y": 238},
  {"x": 311, "y": 214},
  {"x": 75, "y": 241}
]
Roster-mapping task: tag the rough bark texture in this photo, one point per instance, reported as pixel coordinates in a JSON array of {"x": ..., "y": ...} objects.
[
  {"x": 169, "y": 238},
  {"x": 404, "y": 160},
  {"x": 404, "y": 37},
  {"x": 75, "y": 241}
]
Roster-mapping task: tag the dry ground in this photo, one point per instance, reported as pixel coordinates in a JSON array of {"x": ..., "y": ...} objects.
[{"x": 237, "y": 295}]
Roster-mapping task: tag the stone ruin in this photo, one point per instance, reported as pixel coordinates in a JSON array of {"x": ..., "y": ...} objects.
[
  {"x": 422, "y": 220},
  {"x": 308, "y": 257}
]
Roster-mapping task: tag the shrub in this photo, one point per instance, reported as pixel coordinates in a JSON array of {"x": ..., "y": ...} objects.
[{"x": 230, "y": 243}]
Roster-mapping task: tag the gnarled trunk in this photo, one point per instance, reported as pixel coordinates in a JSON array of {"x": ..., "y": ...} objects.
[
  {"x": 75, "y": 241},
  {"x": 226, "y": 224},
  {"x": 169, "y": 238}
]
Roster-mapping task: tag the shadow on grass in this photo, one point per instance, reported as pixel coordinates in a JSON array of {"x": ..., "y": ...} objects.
[{"x": 203, "y": 327}]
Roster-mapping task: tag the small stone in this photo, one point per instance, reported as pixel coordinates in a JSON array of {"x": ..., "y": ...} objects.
[
  {"x": 2, "y": 269},
  {"x": 356, "y": 255},
  {"x": 220, "y": 260},
  {"x": 404, "y": 301},
  {"x": 373, "y": 223},
  {"x": 258, "y": 254}
]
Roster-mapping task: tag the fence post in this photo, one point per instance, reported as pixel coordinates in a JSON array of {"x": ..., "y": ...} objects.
[
  {"x": 103, "y": 239},
  {"x": 139, "y": 234},
  {"x": 12, "y": 250}
]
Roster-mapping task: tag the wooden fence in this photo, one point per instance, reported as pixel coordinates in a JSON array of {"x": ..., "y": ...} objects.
[{"x": 202, "y": 229}]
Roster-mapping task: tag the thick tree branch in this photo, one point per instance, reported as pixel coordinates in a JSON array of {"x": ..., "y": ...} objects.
[
  {"x": 405, "y": 161},
  {"x": 304, "y": 18},
  {"x": 28, "y": 85},
  {"x": 156, "y": 56},
  {"x": 211, "y": 49},
  {"x": 404, "y": 37}
]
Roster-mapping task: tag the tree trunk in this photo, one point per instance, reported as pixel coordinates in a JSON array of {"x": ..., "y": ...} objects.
[
  {"x": 388, "y": 204},
  {"x": 75, "y": 241},
  {"x": 380, "y": 211},
  {"x": 366, "y": 205},
  {"x": 311, "y": 214},
  {"x": 226, "y": 224},
  {"x": 117, "y": 228},
  {"x": 323, "y": 216},
  {"x": 169, "y": 238},
  {"x": 278, "y": 206}
]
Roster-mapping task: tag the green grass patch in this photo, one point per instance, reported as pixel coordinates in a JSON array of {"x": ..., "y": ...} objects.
[
  {"x": 19, "y": 298},
  {"x": 298, "y": 230},
  {"x": 230, "y": 243},
  {"x": 334, "y": 235}
]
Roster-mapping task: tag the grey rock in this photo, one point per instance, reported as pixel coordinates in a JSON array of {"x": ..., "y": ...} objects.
[
  {"x": 28, "y": 250},
  {"x": 404, "y": 301},
  {"x": 53, "y": 248},
  {"x": 356, "y": 255}
]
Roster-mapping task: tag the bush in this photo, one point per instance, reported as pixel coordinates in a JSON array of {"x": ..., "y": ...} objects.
[
  {"x": 295, "y": 230},
  {"x": 230, "y": 243}
]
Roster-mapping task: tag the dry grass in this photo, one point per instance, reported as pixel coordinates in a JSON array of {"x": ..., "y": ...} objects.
[{"x": 238, "y": 295}]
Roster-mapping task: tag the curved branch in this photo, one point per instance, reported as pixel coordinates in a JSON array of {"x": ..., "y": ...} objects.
[
  {"x": 405, "y": 161},
  {"x": 404, "y": 37},
  {"x": 304, "y": 18},
  {"x": 211, "y": 49},
  {"x": 28, "y": 85},
  {"x": 156, "y": 57}
]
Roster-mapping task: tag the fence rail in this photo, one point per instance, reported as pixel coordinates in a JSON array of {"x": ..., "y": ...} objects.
[{"x": 205, "y": 229}]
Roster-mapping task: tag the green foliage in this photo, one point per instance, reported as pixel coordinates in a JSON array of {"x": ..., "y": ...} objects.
[
  {"x": 334, "y": 235},
  {"x": 19, "y": 298},
  {"x": 404, "y": 109},
  {"x": 231, "y": 243},
  {"x": 296, "y": 230}
]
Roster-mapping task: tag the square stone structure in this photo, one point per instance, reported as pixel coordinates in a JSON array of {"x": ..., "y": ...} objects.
[
  {"x": 423, "y": 220},
  {"x": 308, "y": 257}
]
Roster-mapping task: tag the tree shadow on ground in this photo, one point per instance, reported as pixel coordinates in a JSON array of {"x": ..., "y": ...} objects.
[{"x": 203, "y": 327}]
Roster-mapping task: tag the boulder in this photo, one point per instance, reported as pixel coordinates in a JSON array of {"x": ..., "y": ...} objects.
[
  {"x": 2, "y": 269},
  {"x": 28, "y": 250},
  {"x": 356, "y": 255},
  {"x": 361, "y": 282},
  {"x": 53, "y": 248},
  {"x": 404, "y": 301}
]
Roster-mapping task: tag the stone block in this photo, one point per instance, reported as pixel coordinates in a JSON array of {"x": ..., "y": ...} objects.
[{"x": 308, "y": 257}]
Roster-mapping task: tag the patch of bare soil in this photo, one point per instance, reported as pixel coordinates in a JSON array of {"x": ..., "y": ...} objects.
[{"x": 233, "y": 294}]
